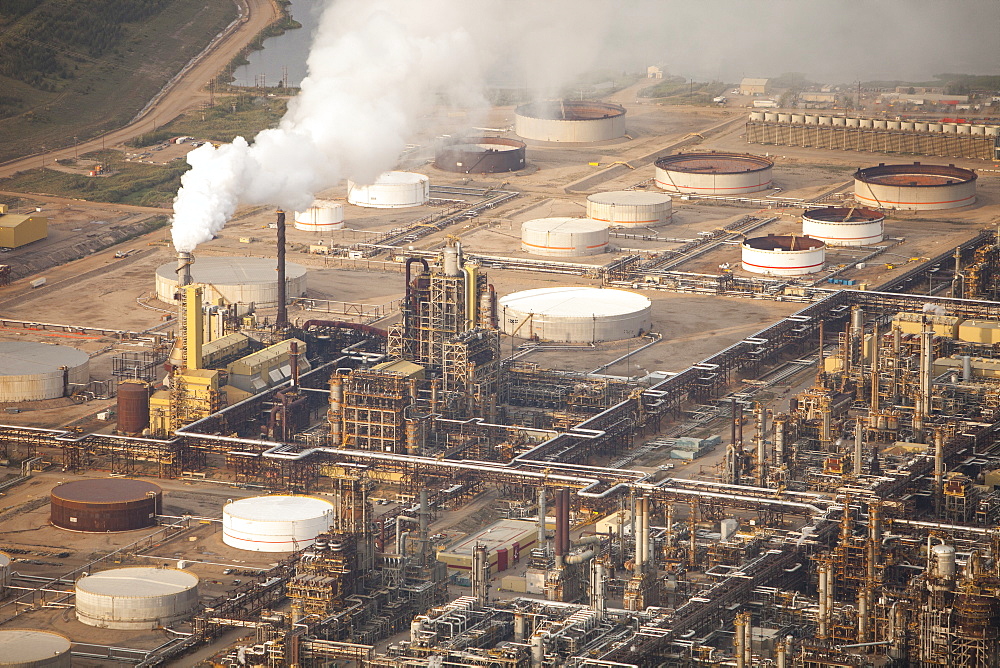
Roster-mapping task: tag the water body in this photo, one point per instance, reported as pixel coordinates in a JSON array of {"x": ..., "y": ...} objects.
[{"x": 284, "y": 55}]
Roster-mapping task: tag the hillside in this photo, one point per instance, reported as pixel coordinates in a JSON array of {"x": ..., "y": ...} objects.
[{"x": 67, "y": 72}]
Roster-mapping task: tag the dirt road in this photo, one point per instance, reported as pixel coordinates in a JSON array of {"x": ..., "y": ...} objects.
[{"x": 183, "y": 93}]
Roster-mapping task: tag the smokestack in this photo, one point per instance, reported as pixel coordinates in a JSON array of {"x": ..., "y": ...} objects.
[
  {"x": 184, "y": 261},
  {"x": 560, "y": 528},
  {"x": 282, "y": 319}
]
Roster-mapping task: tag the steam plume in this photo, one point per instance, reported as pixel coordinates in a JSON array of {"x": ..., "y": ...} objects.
[{"x": 375, "y": 66}]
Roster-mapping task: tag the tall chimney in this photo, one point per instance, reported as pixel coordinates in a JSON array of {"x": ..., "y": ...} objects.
[
  {"x": 282, "y": 319},
  {"x": 184, "y": 260}
]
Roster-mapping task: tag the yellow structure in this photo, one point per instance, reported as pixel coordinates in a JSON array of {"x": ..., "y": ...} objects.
[
  {"x": 942, "y": 325},
  {"x": 980, "y": 331},
  {"x": 754, "y": 86},
  {"x": 402, "y": 367},
  {"x": 18, "y": 230}
]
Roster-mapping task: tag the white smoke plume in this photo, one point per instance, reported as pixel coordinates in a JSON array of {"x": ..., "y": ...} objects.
[{"x": 374, "y": 68}]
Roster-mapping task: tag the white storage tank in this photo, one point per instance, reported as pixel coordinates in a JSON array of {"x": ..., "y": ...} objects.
[
  {"x": 237, "y": 280},
  {"x": 392, "y": 190},
  {"x": 783, "y": 255},
  {"x": 576, "y": 314},
  {"x": 323, "y": 215},
  {"x": 843, "y": 226},
  {"x": 630, "y": 208},
  {"x": 713, "y": 173},
  {"x": 136, "y": 597},
  {"x": 915, "y": 187},
  {"x": 278, "y": 523},
  {"x": 28, "y": 648},
  {"x": 564, "y": 237},
  {"x": 31, "y": 371},
  {"x": 580, "y": 121}
]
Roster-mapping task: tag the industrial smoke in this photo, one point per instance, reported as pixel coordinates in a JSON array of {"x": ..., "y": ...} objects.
[{"x": 375, "y": 67}]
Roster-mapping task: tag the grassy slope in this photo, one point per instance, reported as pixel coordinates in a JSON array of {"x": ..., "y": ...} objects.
[
  {"x": 107, "y": 93},
  {"x": 152, "y": 185}
]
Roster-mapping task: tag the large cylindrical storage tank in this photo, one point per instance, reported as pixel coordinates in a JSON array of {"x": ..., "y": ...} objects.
[
  {"x": 32, "y": 371},
  {"x": 136, "y": 597},
  {"x": 630, "y": 208},
  {"x": 28, "y": 648},
  {"x": 915, "y": 187},
  {"x": 392, "y": 190},
  {"x": 576, "y": 314},
  {"x": 564, "y": 237},
  {"x": 278, "y": 523},
  {"x": 843, "y": 226},
  {"x": 783, "y": 255},
  {"x": 324, "y": 215},
  {"x": 133, "y": 407},
  {"x": 481, "y": 155},
  {"x": 105, "y": 504},
  {"x": 237, "y": 280},
  {"x": 569, "y": 121},
  {"x": 713, "y": 173}
]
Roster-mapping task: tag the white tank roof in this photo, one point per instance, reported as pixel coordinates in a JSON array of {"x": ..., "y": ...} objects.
[
  {"x": 576, "y": 301},
  {"x": 23, "y": 646},
  {"x": 564, "y": 225},
  {"x": 233, "y": 270},
  {"x": 138, "y": 582},
  {"x": 633, "y": 197},
  {"x": 278, "y": 508},
  {"x": 24, "y": 358},
  {"x": 394, "y": 178}
]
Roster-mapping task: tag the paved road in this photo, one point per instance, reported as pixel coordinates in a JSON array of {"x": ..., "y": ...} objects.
[{"x": 183, "y": 94}]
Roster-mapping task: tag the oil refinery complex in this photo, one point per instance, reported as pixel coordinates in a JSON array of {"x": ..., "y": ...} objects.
[{"x": 607, "y": 388}]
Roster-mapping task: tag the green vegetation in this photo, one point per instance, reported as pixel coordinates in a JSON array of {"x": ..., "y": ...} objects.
[
  {"x": 71, "y": 69},
  {"x": 129, "y": 183},
  {"x": 675, "y": 90},
  {"x": 966, "y": 84},
  {"x": 245, "y": 116}
]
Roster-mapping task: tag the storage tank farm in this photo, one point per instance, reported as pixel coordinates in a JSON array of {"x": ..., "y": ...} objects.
[
  {"x": 136, "y": 597},
  {"x": 575, "y": 121},
  {"x": 323, "y": 216},
  {"x": 31, "y": 648},
  {"x": 278, "y": 523},
  {"x": 105, "y": 505},
  {"x": 713, "y": 173},
  {"x": 564, "y": 237},
  {"x": 915, "y": 187},
  {"x": 844, "y": 226},
  {"x": 481, "y": 155},
  {"x": 783, "y": 255},
  {"x": 391, "y": 190},
  {"x": 576, "y": 314},
  {"x": 31, "y": 371},
  {"x": 630, "y": 208},
  {"x": 236, "y": 280}
]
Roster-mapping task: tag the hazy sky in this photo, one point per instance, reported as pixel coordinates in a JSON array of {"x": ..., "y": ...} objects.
[{"x": 830, "y": 40}]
